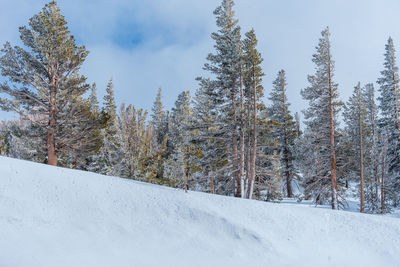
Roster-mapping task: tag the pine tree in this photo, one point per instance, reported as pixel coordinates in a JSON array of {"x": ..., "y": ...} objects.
[
  {"x": 286, "y": 131},
  {"x": 161, "y": 144},
  {"x": 355, "y": 116},
  {"x": 372, "y": 158},
  {"x": 158, "y": 118},
  {"x": 389, "y": 105},
  {"x": 94, "y": 102},
  {"x": 212, "y": 159},
  {"x": 45, "y": 88},
  {"x": 134, "y": 138},
  {"x": 254, "y": 91},
  {"x": 180, "y": 165},
  {"x": 108, "y": 155},
  {"x": 225, "y": 64},
  {"x": 268, "y": 183},
  {"x": 321, "y": 122}
]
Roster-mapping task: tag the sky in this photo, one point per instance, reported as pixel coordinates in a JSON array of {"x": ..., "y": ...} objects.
[{"x": 144, "y": 45}]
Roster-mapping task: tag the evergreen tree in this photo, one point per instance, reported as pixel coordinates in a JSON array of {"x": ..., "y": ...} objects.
[
  {"x": 45, "y": 87},
  {"x": 180, "y": 165},
  {"x": 254, "y": 91},
  {"x": 225, "y": 64},
  {"x": 389, "y": 105},
  {"x": 94, "y": 102},
  {"x": 158, "y": 119},
  {"x": 212, "y": 159},
  {"x": 108, "y": 155},
  {"x": 268, "y": 183},
  {"x": 372, "y": 196},
  {"x": 135, "y": 139},
  {"x": 161, "y": 144},
  {"x": 286, "y": 130},
  {"x": 321, "y": 122},
  {"x": 355, "y": 116}
]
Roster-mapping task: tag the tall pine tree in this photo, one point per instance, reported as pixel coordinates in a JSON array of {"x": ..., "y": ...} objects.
[
  {"x": 321, "y": 121},
  {"x": 254, "y": 91},
  {"x": 389, "y": 105},
  {"x": 45, "y": 88},
  {"x": 355, "y": 116},
  {"x": 286, "y": 130},
  {"x": 225, "y": 64}
]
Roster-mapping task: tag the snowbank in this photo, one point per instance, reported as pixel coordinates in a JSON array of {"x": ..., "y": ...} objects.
[{"x": 59, "y": 217}]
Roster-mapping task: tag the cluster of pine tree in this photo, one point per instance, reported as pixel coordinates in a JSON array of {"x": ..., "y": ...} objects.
[
  {"x": 223, "y": 141},
  {"x": 366, "y": 151}
]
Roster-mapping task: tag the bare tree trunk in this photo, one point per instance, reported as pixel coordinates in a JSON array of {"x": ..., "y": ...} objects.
[
  {"x": 384, "y": 151},
  {"x": 362, "y": 205},
  {"x": 242, "y": 138},
  {"x": 376, "y": 184},
  {"x": 287, "y": 172},
  {"x": 248, "y": 152},
  {"x": 235, "y": 166},
  {"x": 289, "y": 188},
  {"x": 51, "y": 143},
  {"x": 332, "y": 139},
  {"x": 376, "y": 157},
  {"x": 254, "y": 136}
]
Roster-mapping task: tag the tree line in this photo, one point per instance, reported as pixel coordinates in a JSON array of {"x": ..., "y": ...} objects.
[{"x": 225, "y": 140}]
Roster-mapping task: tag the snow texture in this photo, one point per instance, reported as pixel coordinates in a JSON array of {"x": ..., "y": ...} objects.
[{"x": 52, "y": 216}]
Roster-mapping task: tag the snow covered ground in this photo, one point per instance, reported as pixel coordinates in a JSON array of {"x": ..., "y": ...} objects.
[{"x": 59, "y": 217}]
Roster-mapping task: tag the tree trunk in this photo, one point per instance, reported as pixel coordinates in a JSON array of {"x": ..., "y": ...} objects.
[
  {"x": 51, "y": 142},
  {"x": 242, "y": 138},
  {"x": 384, "y": 151},
  {"x": 362, "y": 205},
  {"x": 376, "y": 158},
  {"x": 289, "y": 188},
  {"x": 254, "y": 136},
  {"x": 332, "y": 140},
  {"x": 287, "y": 171},
  {"x": 248, "y": 152},
  {"x": 235, "y": 166}
]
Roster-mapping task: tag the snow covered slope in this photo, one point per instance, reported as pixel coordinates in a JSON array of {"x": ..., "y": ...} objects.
[{"x": 58, "y": 217}]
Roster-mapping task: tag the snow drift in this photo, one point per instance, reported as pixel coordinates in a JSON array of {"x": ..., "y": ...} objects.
[{"x": 52, "y": 216}]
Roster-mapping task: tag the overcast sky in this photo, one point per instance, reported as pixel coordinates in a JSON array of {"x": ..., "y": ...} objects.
[{"x": 145, "y": 44}]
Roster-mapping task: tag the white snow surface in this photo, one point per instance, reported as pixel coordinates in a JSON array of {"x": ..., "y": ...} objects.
[{"x": 53, "y": 216}]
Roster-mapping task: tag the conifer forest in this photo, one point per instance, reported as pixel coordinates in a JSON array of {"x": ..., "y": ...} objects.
[{"x": 233, "y": 135}]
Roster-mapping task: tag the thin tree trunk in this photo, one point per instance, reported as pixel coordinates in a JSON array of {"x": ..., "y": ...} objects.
[
  {"x": 242, "y": 138},
  {"x": 332, "y": 139},
  {"x": 289, "y": 188},
  {"x": 376, "y": 158},
  {"x": 235, "y": 166},
  {"x": 287, "y": 171},
  {"x": 248, "y": 152},
  {"x": 51, "y": 143},
  {"x": 383, "y": 208},
  {"x": 254, "y": 136},
  {"x": 362, "y": 205},
  {"x": 376, "y": 184}
]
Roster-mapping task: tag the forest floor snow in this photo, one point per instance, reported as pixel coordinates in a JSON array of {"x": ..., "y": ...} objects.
[{"x": 53, "y": 216}]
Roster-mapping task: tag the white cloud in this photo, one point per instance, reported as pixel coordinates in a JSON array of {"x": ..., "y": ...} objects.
[{"x": 288, "y": 31}]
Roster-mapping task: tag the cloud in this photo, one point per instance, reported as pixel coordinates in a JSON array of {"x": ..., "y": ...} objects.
[{"x": 147, "y": 44}]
